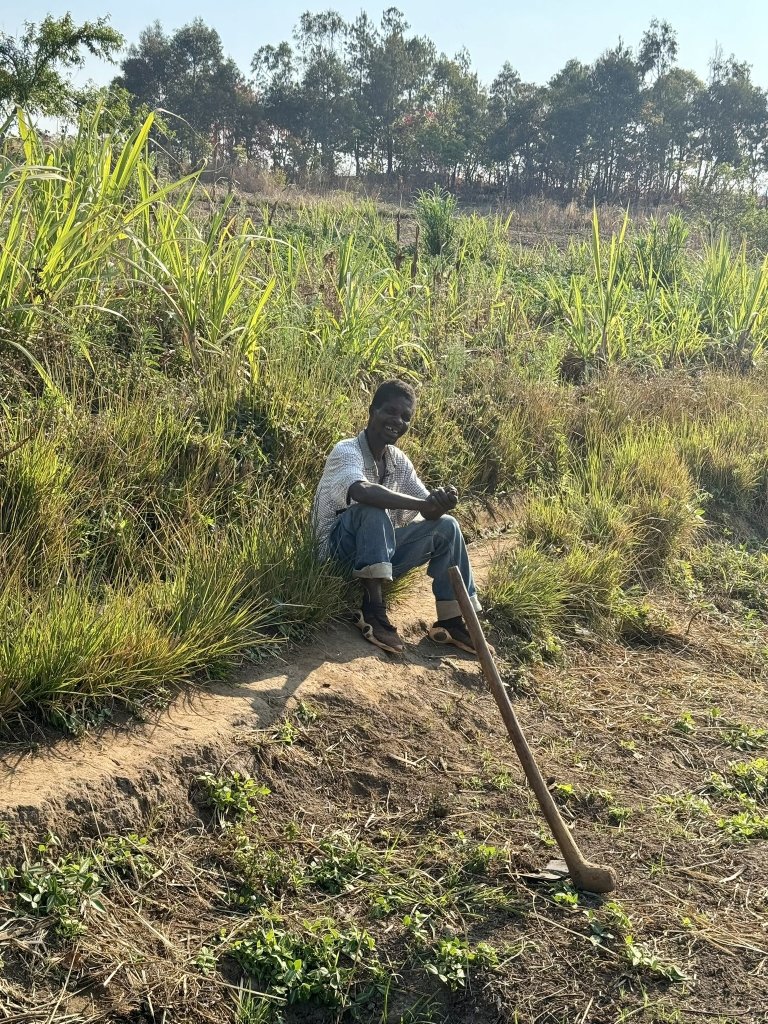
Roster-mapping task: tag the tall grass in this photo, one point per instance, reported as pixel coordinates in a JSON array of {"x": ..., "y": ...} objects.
[
  {"x": 172, "y": 376},
  {"x": 626, "y": 508},
  {"x": 436, "y": 209}
]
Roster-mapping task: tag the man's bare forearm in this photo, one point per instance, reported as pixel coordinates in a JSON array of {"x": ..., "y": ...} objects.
[
  {"x": 436, "y": 504},
  {"x": 382, "y": 497}
]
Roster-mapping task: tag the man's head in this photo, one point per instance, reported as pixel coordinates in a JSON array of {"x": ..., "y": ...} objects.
[{"x": 391, "y": 411}]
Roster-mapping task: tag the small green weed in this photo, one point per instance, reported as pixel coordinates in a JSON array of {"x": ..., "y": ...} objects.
[
  {"x": 340, "y": 859},
  {"x": 286, "y": 733},
  {"x": 416, "y": 924},
  {"x": 502, "y": 781},
  {"x": 746, "y": 825},
  {"x": 746, "y": 737},
  {"x": 748, "y": 778},
  {"x": 206, "y": 961},
  {"x": 235, "y": 797},
  {"x": 451, "y": 959},
  {"x": 63, "y": 889},
  {"x": 599, "y": 935},
  {"x": 687, "y": 805},
  {"x": 617, "y": 915},
  {"x": 685, "y": 723},
  {"x": 127, "y": 856},
  {"x": 565, "y": 793},
  {"x": 265, "y": 872},
  {"x": 565, "y": 895},
  {"x": 482, "y": 857},
  {"x": 306, "y": 713},
  {"x": 644, "y": 960},
  {"x": 617, "y": 814}
]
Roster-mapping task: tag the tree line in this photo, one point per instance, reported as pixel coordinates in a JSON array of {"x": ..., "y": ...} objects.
[{"x": 376, "y": 100}]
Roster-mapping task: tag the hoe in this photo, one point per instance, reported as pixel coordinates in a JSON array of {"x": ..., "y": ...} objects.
[{"x": 583, "y": 873}]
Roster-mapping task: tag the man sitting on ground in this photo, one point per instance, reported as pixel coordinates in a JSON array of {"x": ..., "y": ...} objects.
[{"x": 374, "y": 515}]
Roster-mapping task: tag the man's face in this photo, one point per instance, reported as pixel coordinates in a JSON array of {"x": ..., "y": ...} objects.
[{"x": 390, "y": 420}]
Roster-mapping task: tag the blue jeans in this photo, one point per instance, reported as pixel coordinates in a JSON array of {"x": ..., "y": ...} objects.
[{"x": 365, "y": 541}]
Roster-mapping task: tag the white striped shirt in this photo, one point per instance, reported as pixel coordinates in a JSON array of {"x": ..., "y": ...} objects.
[{"x": 351, "y": 461}]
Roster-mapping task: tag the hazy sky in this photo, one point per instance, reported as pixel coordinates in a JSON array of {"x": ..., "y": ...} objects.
[{"x": 537, "y": 38}]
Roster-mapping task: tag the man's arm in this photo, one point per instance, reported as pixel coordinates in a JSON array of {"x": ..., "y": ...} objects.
[{"x": 435, "y": 504}]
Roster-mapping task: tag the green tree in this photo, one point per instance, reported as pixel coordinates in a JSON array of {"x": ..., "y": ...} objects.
[
  {"x": 325, "y": 86},
  {"x": 457, "y": 133},
  {"x": 734, "y": 118},
  {"x": 670, "y": 130},
  {"x": 398, "y": 82},
  {"x": 146, "y": 67},
  {"x": 516, "y": 111},
  {"x": 614, "y": 117},
  {"x": 280, "y": 102},
  {"x": 658, "y": 49},
  {"x": 362, "y": 39},
  {"x": 565, "y": 127},
  {"x": 33, "y": 68},
  {"x": 188, "y": 75}
]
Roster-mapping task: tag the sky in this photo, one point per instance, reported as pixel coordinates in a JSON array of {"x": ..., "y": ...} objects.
[{"x": 537, "y": 38}]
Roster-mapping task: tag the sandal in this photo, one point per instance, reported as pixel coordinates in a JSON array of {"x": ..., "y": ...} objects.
[
  {"x": 454, "y": 631},
  {"x": 373, "y": 623}
]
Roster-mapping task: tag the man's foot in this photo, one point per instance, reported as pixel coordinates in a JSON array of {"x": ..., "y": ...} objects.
[
  {"x": 373, "y": 623},
  {"x": 454, "y": 631}
]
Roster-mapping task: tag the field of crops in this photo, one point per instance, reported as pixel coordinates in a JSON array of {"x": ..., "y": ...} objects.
[{"x": 175, "y": 365}]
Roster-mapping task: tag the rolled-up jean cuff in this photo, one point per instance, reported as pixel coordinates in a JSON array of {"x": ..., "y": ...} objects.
[
  {"x": 450, "y": 609},
  {"x": 377, "y": 571}
]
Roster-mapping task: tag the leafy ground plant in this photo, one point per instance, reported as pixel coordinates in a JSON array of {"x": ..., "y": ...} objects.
[
  {"x": 233, "y": 797},
  {"x": 64, "y": 889},
  {"x": 324, "y": 965}
]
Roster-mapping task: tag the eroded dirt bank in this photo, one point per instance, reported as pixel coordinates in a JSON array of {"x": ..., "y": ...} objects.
[{"x": 104, "y": 780}]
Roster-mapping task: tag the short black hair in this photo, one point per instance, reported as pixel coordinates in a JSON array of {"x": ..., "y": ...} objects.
[{"x": 392, "y": 389}]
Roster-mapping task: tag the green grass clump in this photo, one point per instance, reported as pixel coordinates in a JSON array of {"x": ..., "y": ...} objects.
[
  {"x": 436, "y": 209},
  {"x": 730, "y": 574},
  {"x": 728, "y": 456},
  {"x": 526, "y": 588},
  {"x": 73, "y": 644},
  {"x": 620, "y": 516}
]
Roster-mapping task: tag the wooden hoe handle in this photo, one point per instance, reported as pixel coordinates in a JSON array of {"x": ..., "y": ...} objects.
[{"x": 585, "y": 875}]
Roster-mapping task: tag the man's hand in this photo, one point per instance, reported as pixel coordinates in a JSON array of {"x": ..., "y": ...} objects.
[{"x": 440, "y": 501}]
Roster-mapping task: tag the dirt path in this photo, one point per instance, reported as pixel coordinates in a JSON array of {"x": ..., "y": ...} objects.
[{"x": 101, "y": 781}]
